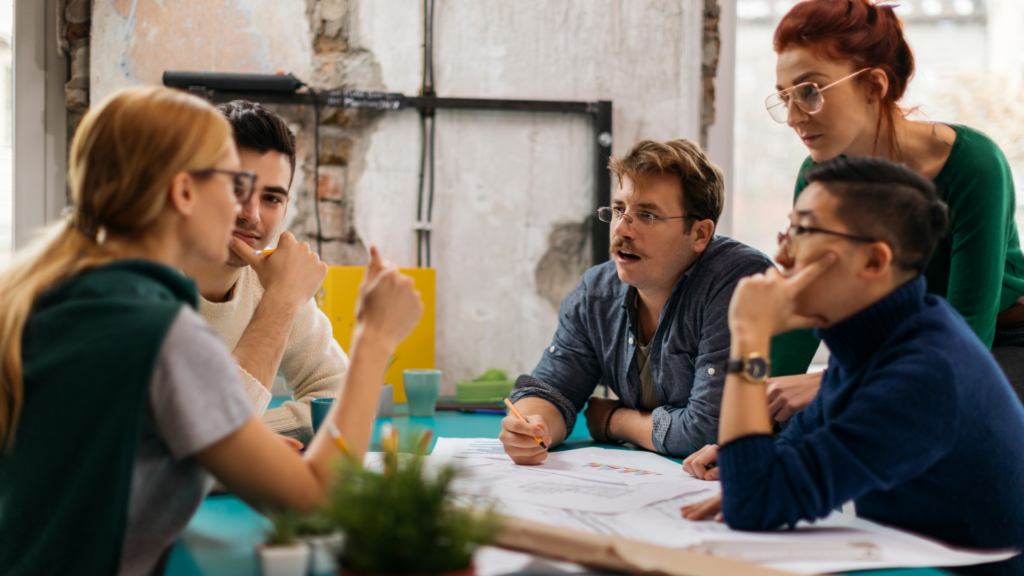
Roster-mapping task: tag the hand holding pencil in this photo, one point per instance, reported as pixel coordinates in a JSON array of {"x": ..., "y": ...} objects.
[{"x": 525, "y": 437}]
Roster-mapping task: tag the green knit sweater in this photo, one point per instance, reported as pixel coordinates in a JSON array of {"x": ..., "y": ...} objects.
[
  {"x": 89, "y": 348},
  {"x": 978, "y": 267}
]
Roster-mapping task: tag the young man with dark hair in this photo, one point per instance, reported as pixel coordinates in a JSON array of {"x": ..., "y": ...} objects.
[
  {"x": 263, "y": 305},
  {"x": 651, "y": 323},
  {"x": 914, "y": 421}
]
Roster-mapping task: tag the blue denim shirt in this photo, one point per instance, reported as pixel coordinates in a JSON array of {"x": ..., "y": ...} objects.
[{"x": 597, "y": 341}]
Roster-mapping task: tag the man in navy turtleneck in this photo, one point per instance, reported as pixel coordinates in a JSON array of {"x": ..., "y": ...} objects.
[{"x": 914, "y": 421}]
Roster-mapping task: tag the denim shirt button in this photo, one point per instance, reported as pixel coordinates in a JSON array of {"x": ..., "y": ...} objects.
[
  {"x": 711, "y": 371},
  {"x": 630, "y": 341},
  {"x": 552, "y": 349}
]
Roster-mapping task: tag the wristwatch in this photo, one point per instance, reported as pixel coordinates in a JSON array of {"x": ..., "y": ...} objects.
[{"x": 754, "y": 367}]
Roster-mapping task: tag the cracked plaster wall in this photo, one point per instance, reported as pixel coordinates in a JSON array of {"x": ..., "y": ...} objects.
[{"x": 513, "y": 189}]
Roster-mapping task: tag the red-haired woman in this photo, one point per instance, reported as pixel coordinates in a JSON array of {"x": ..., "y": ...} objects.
[{"x": 843, "y": 66}]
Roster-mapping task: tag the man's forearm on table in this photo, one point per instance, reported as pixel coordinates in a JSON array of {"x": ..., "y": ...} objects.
[
  {"x": 261, "y": 347},
  {"x": 633, "y": 426}
]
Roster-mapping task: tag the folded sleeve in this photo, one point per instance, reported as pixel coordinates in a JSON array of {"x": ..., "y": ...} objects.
[
  {"x": 876, "y": 443},
  {"x": 195, "y": 395},
  {"x": 682, "y": 430}
]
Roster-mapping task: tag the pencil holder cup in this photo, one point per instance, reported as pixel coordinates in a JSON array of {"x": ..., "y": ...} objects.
[
  {"x": 318, "y": 409},
  {"x": 421, "y": 390}
]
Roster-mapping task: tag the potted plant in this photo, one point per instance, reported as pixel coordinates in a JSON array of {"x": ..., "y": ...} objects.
[
  {"x": 283, "y": 554},
  {"x": 401, "y": 521},
  {"x": 324, "y": 541}
]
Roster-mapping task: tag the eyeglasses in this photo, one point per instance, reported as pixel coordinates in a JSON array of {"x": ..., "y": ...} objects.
[
  {"x": 806, "y": 95},
  {"x": 609, "y": 215},
  {"x": 787, "y": 239},
  {"x": 244, "y": 182}
]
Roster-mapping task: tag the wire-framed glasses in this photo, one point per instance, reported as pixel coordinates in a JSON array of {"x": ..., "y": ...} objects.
[
  {"x": 807, "y": 95},
  {"x": 244, "y": 182},
  {"x": 788, "y": 239},
  {"x": 610, "y": 215}
]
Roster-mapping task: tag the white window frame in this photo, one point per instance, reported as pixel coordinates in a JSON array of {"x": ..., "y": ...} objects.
[
  {"x": 720, "y": 134},
  {"x": 40, "y": 119}
]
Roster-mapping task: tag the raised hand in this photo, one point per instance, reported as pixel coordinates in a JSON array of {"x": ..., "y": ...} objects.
[
  {"x": 765, "y": 304},
  {"x": 389, "y": 305}
]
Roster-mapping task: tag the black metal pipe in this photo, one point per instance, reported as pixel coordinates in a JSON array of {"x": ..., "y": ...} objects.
[
  {"x": 385, "y": 101},
  {"x": 600, "y": 110},
  {"x": 496, "y": 104},
  {"x": 599, "y": 234}
]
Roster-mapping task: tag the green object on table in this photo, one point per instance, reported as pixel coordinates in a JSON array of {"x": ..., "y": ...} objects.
[
  {"x": 492, "y": 386},
  {"x": 402, "y": 521},
  {"x": 221, "y": 538}
]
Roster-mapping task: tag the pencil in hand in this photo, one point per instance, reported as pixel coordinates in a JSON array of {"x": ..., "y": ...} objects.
[
  {"x": 266, "y": 252},
  {"x": 520, "y": 416}
]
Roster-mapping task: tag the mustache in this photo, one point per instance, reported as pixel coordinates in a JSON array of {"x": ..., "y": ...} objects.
[{"x": 623, "y": 244}]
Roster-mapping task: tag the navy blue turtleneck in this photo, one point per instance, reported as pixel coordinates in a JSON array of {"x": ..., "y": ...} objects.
[{"x": 914, "y": 421}]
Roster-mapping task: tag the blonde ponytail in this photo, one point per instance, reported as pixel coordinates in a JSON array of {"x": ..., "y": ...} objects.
[{"x": 122, "y": 160}]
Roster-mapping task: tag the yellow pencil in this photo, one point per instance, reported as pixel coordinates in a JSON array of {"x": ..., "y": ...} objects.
[
  {"x": 263, "y": 252},
  {"x": 338, "y": 440},
  {"x": 520, "y": 416}
]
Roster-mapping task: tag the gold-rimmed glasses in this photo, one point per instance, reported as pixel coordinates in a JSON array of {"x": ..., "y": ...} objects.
[{"x": 807, "y": 95}]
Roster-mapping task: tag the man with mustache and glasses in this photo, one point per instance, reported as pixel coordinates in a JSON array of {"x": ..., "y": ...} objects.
[
  {"x": 651, "y": 323},
  {"x": 262, "y": 305}
]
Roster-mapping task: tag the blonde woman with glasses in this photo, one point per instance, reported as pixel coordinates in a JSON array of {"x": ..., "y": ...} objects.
[
  {"x": 843, "y": 67},
  {"x": 117, "y": 403}
]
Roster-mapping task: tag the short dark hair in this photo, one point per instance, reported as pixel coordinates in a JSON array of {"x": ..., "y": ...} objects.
[
  {"x": 259, "y": 129},
  {"x": 887, "y": 201},
  {"x": 702, "y": 182}
]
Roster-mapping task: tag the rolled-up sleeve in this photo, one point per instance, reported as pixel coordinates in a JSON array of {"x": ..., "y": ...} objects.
[
  {"x": 569, "y": 370},
  {"x": 682, "y": 430}
]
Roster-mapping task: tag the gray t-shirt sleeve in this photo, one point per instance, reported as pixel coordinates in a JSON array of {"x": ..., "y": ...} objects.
[{"x": 195, "y": 394}]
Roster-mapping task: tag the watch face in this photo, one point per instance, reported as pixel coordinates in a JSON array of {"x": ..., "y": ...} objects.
[{"x": 757, "y": 368}]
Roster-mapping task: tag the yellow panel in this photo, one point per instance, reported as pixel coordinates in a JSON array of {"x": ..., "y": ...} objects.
[{"x": 338, "y": 302}]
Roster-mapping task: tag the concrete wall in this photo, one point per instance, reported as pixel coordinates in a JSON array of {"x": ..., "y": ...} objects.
[{"x": 513, "y": 189}]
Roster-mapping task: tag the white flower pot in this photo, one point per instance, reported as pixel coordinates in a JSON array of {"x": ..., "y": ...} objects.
[
  {"x": 323, "y": 552},
  {"x": 291, "y": 560}
]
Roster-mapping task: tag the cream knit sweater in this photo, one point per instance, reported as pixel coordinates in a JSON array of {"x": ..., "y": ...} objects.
[{"x": 313, "y": 365}]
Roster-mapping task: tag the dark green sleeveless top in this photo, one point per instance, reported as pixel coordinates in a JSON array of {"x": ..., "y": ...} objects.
[{"x": 89, "y": 349}]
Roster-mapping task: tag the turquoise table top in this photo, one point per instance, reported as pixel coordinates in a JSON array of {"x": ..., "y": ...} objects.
[{"x": 221, "y": 539}]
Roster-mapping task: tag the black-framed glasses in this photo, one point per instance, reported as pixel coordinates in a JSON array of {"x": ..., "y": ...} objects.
[
  {"x": 788, "y": 238},
  {"x": 244, "y": 182},
  {"x": 807, "y": 95},
  {"x": 608, "y": 214}
]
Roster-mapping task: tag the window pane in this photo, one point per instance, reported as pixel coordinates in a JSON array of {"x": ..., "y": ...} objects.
[{"x": 970, "y": 70}]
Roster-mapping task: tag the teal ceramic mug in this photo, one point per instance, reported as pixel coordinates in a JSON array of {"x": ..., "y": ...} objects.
[
  {"x": 421, "y": 390},
  {"x": 318, "y": 409}
]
